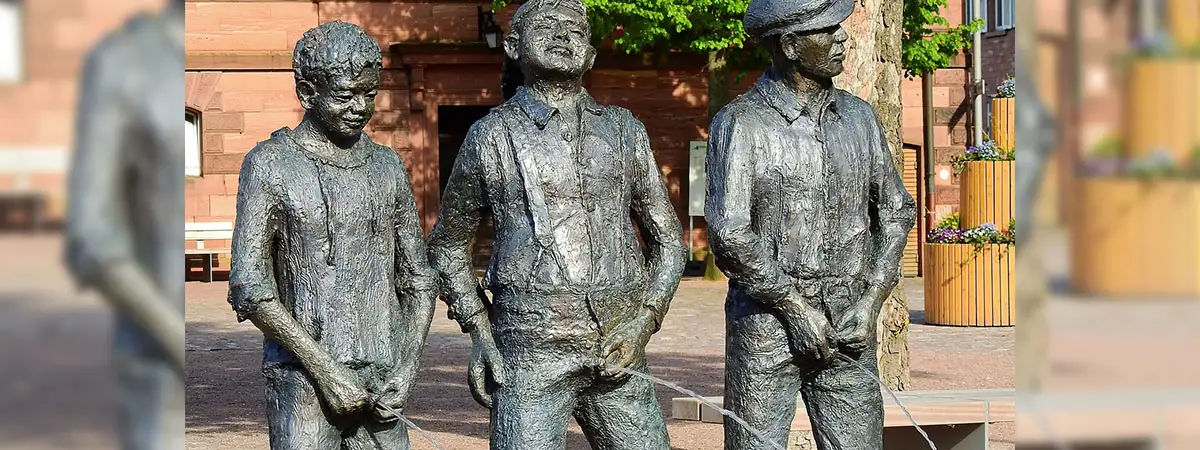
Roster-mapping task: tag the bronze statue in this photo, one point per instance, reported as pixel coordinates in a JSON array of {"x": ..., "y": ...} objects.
[
  {"x": 329, "y": 260},
  {"x": 575, "y": 297},
  {"x": 124, "y": 226},
  {"x": 809, "y": 218}
]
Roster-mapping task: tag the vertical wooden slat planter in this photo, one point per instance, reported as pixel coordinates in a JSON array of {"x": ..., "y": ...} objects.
[
  {"x": 986, "y": 194},
  {"x": 1136, "y": 239},
  {"x": 965, "y": 287},
  {"x": 1162, "y": 110},
  {"x": 1183, "y": 21},
  {"x": 1004, "y": 122}
]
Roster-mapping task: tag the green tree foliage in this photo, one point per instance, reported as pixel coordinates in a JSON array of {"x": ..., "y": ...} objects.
[
  {"x": 706, "y": 26},
  {"x": 636, "y": 26},
  {"x": 929, "y": 42}
]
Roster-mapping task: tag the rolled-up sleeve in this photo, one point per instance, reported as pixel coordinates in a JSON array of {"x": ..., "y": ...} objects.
[
  {"x": 893, "y": 212},
  {"x": 252, "y": 276},
  {"x": 658, "y": 223},
  {"x": 97, "y": 228},
  {"x": 730, "y": 167},
  {"x": 452, "y": 239},
  {"x": 413, "y": 274}
]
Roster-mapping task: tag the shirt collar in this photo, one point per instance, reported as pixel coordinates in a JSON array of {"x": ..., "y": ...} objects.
[
  {"x": 541, "y": 113},
  {"x": 788, "y": 103}
]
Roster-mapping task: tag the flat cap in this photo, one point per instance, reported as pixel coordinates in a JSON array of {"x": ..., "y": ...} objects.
[{"x": 770, "y": 17}]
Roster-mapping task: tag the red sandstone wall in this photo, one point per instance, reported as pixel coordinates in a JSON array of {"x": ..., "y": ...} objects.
[{"x": 38, "y": 112}]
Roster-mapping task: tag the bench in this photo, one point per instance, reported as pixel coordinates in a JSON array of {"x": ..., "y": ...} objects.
[
  {"x": 207, "y": 231},
  {"x": 954, "y": 420},
  {"x": 1111, "y": 420},
  {"x": 30, "y": 204}
]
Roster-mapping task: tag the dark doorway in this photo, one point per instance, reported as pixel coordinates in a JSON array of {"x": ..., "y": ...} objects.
[{"x": 453, "y": 123}]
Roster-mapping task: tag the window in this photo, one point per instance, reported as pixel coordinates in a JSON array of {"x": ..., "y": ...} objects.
[
  {"x": 12, "y": 44},
  {"x": 1005, "y": 10},
  {"x": 983, "y": 6},
  {"x": 191, "y": 139}
]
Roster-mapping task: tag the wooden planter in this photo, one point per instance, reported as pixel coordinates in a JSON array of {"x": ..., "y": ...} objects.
[
  {"x": 1136, "y": 238},
  {"x": 965, "y": 286},
  {"x": 986, "y": 194},
  {"x": 1162, "y": 107},
  {"x": 1183, "y": 21},
  {"x": 1004, "y": 122}
]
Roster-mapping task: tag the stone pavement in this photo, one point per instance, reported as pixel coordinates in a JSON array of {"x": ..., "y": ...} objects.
[
  {"x": 57, "y": 390},
  {"x": 225, "y": 388}
]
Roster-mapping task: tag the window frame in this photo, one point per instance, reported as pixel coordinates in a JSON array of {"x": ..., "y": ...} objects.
[
  {"x": 18, "y": 31},
  {"x": 195, "y": 119},
  {"x": 1006, "y": 11}
]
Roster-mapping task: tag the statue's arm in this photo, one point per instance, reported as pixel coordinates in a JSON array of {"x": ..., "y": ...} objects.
[
  {"x": 730, "y": 166},
  {"x": 100, "y": 242},
  {"x": 416, "y": 281},
  {"x": 452, "y": 239},
  {"x": 658, "y": 225},
  {"x": 252, "y": 289},
  {"x": 893, "y": 212}
]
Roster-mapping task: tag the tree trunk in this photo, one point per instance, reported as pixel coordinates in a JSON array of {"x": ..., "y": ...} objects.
[
  {"x": 874, "y": 73},
  {"x": 718, "y": 97},
  {"x": 718, "y": 83}
]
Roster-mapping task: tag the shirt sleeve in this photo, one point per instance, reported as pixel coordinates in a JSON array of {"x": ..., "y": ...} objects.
[
  {"x": 893, "y": 213},
  {"x": 413, "y": 274},
  {"x": 252, "y": 276},
  {"x": 452, "y": 239},
  {"x": 657, "y": 222},
  {"x": 730, "y": 164},
  {"x": 97, "y": 227}
]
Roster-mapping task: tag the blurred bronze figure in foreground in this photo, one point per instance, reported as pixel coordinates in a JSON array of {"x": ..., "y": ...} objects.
[
  {"x": 809, "y": 217},
  {"x": 125, "y": 219},
  {"x": 576, "y": 296},
  {"x": 329, "y": 260}
]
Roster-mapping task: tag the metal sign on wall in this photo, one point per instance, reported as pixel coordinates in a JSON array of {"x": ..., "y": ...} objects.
[{"x": 696, "y": 181}]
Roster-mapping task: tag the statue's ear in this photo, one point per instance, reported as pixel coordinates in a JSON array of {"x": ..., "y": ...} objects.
[
  {"x": 591, "y": 58},
  {"x": 789, "y": 45},
  {"x": 512, "y": 47},
  {"x": 306, "y": 92}
]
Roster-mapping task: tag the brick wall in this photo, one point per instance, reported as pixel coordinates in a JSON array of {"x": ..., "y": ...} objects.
[
  {"x": 999, "y": 58},
  {"x": 38, "y": 112}
]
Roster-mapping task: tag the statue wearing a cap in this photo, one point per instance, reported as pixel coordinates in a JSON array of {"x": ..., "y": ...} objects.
[
  {"x": 809, "y": 218},
  {"x": 575, "y": 296}
]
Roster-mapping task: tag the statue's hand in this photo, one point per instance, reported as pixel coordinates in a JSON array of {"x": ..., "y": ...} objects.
[
  {"x": 485, "y": 362},
  {"x": 810, "y": 334},
  {"x": 625, "y": 345},
  {"x": 343, "y": 391},
  {"x": 394, "y": 395},
  {"x": 856, "y": 328}
]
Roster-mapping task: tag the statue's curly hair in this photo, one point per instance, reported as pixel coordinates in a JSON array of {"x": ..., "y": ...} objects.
[
  {"x": 511, "y": 76},
  {"x": 334, "y": 49}
]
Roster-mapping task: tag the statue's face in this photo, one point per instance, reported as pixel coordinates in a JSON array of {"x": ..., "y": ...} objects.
[
  {"x": 553, "y": 42},
  {"x": 820, "y": 52},
  {"x": 343, "y": 107}
]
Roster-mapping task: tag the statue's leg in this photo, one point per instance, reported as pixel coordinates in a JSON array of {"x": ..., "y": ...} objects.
[
  {"x": 530, "y": 410},
  {"x": 761, "y": 381},
  {"x": 624, "y": 415},
  {"x": 845, "y": 405},
  {"x": 295, "y": 417},
  {"x": 151, "y": 393}
]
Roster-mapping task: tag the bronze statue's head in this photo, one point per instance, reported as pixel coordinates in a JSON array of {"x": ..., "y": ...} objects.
[
  {"x": 336, "y": 66},
  {"x": 551, "y": 39},
  {"x": 806, "y": 33}
]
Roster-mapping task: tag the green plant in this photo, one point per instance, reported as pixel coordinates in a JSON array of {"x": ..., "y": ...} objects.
[
  {"x": 929, "y": 42},
  {"x": 988, "y": 151}
]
